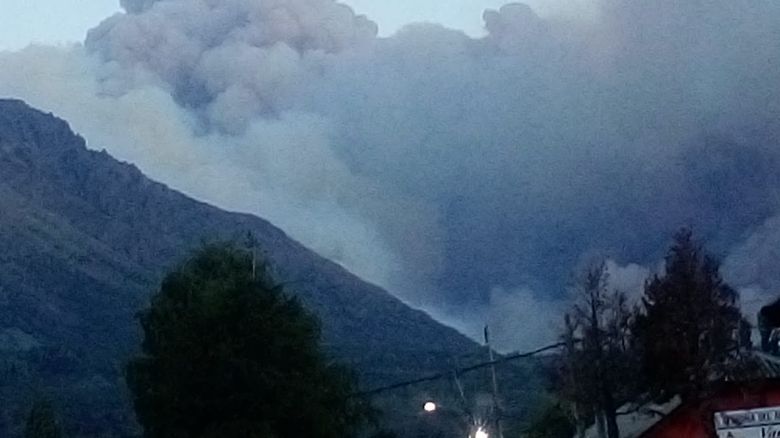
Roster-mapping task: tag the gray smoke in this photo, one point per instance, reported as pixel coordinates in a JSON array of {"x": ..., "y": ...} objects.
[{"x": 459, "y": 172}]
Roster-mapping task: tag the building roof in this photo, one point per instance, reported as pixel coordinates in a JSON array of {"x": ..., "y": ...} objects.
[
  {"x": 636, "y": 420},
  {"x": 633, "y": 420}
]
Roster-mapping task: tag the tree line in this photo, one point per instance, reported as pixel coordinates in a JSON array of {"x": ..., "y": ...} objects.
[
  {"x": 227, "y": 352},
  {"x": 684, "y": 334}
]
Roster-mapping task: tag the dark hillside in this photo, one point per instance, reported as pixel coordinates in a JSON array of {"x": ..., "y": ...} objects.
[{"x": 84, "y": 240}]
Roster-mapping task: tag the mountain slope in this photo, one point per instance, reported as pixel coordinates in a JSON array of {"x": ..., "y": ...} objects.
[{"x": 85, "y": 239}]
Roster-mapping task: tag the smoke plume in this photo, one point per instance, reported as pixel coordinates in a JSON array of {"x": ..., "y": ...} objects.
[{"x": 455, "y": 171}]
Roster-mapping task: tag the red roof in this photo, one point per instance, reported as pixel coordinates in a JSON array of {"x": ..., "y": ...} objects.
[{"x": 694, "y": 420}]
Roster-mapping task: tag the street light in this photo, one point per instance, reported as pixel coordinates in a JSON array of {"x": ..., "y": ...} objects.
[
  {"x": 480, "y": 433},
  {"x": 429, "y": 406}
]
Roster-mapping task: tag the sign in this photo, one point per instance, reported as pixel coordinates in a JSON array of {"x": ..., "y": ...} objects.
[{"x": 751, "y": 423}]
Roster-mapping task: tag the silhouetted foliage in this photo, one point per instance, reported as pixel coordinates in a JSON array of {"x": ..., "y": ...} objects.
[
  {"x": 228, "y": 355},
  {"x": 596, "y": 362},
  {"x": 42, "y": 422},
  {"x": 553, "y": 422},
  {"x": 689, "y": 330}
]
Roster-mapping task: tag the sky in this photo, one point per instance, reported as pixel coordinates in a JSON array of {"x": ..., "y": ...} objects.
[
  {"x": 56, "y": 22},
  {"x": 50, "y": 21}
]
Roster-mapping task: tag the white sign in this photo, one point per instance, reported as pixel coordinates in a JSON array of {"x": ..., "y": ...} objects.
[
  {"x": 751, "y": 432},
  {"x": 751, "y": 423}
]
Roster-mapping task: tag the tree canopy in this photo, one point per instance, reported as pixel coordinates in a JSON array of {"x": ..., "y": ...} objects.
[
  {"x": 686, "y": 333},
  {"x": 596, "y": 362},
  {"x": 689, "y": 328},
  {"x": 554, "y": 421},
  {"x": 226, "y": 353}
]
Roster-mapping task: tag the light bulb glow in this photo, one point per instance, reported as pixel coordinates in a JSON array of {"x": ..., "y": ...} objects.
[
  {"x": 480, "y": 433},
  {"x": 429, "y": 406}
]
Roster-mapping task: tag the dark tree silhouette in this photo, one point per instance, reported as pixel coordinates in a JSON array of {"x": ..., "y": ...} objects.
[
  {"x": 553, "y": 422},
  {"x": 227, "y": 354},
  {"x": 595, "y": 365},
  {"x": 689, "y": 330}
]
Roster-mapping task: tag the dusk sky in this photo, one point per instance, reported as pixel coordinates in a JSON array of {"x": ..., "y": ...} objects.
[{"x": 57, "y": 22}]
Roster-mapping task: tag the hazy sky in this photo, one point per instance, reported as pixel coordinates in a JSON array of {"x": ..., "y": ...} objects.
[
  {"x": 467, "y": 176},
  {"x": 57, "y": 21},
  {"x": 50, "y": 21}
]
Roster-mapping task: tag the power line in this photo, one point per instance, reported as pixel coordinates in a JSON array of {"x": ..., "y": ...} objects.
[{"x": 459, "y": 371}]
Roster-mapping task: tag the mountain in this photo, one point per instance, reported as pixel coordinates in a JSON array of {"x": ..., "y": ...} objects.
[{"x": 85, "y": 240}]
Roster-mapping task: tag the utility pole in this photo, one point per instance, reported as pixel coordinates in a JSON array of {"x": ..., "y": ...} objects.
[
  {"x": 496, "y": 408},
  {"x": 465, "y": 405}
]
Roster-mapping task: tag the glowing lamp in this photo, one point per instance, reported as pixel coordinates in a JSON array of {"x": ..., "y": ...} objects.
[{"x": 480, "y": 433}]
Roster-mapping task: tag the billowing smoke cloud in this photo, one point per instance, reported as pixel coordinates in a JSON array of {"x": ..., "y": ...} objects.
[
  {"x": 521, "y": 319},
  {"x": 455, "y": 171},
  {"x": 753, "y": 267}
]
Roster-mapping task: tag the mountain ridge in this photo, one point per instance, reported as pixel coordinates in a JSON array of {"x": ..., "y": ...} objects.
[{"x": 85, "y": 239}]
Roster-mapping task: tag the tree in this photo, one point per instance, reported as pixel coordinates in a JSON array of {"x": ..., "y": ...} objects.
[
  {"x": 227, "y": 353},
  {"x": 572, "y": 380},
  {"x": 597, "y": 354},
  {"x": 553, "y": 422},
  {"x": 689, "y": 330},
  {"x": 41, "y": 422},
  {"x": 768, "y": 321}
]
